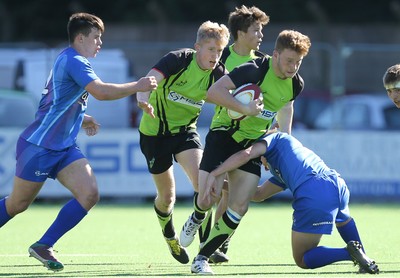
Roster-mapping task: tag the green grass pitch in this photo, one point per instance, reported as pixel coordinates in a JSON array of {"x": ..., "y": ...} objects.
[{"x": 126, "y": 241}]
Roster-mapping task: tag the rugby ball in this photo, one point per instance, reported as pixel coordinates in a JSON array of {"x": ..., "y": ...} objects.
[{"x": 244, "y": 94}]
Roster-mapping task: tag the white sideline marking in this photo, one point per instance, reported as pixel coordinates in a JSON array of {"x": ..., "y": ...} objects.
[{"x": 74, "y": 255}]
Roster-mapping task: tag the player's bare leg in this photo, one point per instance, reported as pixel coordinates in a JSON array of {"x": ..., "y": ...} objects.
[{"x": 164, "y": 206}]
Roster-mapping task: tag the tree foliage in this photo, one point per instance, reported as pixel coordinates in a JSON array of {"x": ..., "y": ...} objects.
[{"x": 45, "y": 20}]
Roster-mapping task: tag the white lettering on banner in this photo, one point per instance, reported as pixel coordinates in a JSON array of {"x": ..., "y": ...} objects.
[{"x": 364, "y": 159}]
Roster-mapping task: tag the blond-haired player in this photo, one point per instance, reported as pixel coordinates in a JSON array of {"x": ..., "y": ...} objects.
[{"x": 168, "y": 128}]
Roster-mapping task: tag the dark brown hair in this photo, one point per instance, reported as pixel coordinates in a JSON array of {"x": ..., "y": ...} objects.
[
  {"x": 83, "y": 23},
  {"x": 242, "y": 18}
]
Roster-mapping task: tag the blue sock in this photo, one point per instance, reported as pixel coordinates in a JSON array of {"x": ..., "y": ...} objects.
[
  {"x": 68, "y": 217},
  {"x": 349, "y": 232},
  {"x": 4, "y": 216},
  {"x": 321, "y": 256}
]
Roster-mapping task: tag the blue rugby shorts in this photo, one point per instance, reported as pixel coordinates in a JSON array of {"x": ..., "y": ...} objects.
[
  {"x": 35, "y": 163},
  {"x": 319, "y": 203}
]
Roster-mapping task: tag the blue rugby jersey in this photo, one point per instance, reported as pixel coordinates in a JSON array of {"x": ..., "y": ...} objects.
[
  {"x": 63, "y": 103},
  {"x": 290, "y": 162}
]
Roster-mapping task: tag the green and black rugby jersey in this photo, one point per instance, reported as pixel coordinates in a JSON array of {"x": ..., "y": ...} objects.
[
  {"x": 231, "y": 59},
  {"x": 179, "y": 97},
  {"x": 276, "y": 93}
]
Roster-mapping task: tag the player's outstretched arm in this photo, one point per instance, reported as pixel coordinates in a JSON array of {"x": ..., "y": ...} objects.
[
  {"x": 213, "y": 188},
  {"x": 111, "y": 91},
  {"x": 240, "y": 158},
  {"x": 265, "y": 191}
]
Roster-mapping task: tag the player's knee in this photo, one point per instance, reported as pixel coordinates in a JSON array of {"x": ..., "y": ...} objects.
[
  {"x": 90, "y": 199},
  {"x": 94, "y": 197},
  {"x": 205, "y": 202},
  {"x": 16, "y": 208},
  {"x": 299, "y": 262},
  {"x": 169, "y": 200},
  {"x": 301, "y": 265},
  {"x": 166, "y": 202}
]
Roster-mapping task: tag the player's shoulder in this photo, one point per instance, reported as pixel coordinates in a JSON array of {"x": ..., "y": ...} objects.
[
  {"x": 220, "y": 70},
  {"x": 71, "y": 61},
  {"x": 259, "y": 54},
  {"x": 298, "y": 84},
  {"x": 72, "y": 53},
  {"x": 174, "y": 61},
  {"x": 180, "y": 54},
  {"x": 298, "y": 79},
  {"x": 225, "y": 54},
  {"x": 262, "y": 59}
]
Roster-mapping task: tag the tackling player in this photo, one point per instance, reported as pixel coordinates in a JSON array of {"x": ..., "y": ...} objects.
[{"x": 321, "y": 199}]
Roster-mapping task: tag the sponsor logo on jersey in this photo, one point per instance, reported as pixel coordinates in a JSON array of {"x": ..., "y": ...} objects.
[
  {"x": 266, "y": 115},
  {"x": 181, "y": 83},
  {"x": 84, "y": 99},
  {"x": 175, "y": 97}
]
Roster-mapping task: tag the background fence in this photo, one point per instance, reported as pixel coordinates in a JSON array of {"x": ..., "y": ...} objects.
[{"x": 346, "y": 60}]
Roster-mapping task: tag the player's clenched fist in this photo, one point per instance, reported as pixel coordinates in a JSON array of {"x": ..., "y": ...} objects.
[{"x": 147, "y": 83}]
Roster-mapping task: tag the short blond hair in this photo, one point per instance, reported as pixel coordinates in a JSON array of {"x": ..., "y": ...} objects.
[
  {"x": 293, "y": 40},
  {"x": 212, "y": 30}
]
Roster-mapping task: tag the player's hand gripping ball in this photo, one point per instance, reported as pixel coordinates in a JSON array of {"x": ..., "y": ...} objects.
[{"x": 244, "y": 94}]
